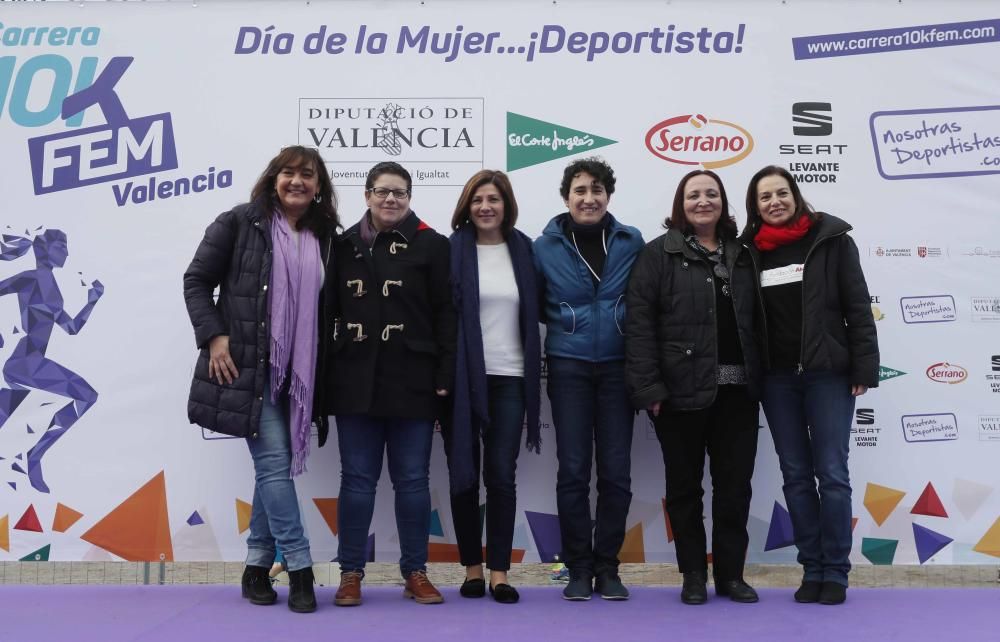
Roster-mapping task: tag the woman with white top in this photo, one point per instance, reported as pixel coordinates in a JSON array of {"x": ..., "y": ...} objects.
[{"x": 498, "y": 375}]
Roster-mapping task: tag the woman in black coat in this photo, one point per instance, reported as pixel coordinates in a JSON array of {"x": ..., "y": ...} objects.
[
  {"x": 822, "y": 354},
  {"x": 693, "y": 361},
  {"x": 262, "y": 344}
]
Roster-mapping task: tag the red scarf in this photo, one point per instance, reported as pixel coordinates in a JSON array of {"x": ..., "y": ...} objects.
[{"x": 770, "y": 237}]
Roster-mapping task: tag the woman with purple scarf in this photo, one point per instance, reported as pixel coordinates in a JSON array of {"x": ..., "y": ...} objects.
[
  {"x": 497, "y": 375},
  {"x": 262, "y": 343}
]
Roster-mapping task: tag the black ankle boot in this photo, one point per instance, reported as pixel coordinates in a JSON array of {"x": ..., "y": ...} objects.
[
  {"x": 694, "y": 590},
  {"x": 301, "y": 597},
  {"x": 257, "y": 585}
]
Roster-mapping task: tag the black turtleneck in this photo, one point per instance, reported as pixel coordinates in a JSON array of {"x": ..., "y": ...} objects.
[{"x": 590, "y": 240}]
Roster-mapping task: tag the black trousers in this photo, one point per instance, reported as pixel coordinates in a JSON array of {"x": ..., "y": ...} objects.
[
  {"x": 727, "y": 431},
  {"x": 501, "y": 443}
]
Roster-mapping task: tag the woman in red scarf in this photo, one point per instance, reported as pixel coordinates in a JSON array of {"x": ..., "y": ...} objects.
[{"x": 822, "y": 353}]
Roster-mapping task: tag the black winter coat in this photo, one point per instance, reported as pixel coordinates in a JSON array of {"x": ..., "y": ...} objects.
[
  {"x": 670, "y": 330},
  {"x": 235, "y": 255},
  {"x": 396, "y": 331},
  {"x": 838, "y": 329}
]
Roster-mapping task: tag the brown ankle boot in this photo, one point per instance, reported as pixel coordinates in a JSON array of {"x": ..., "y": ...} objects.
[
  {"x": 349, "y": 593},
  {"x": 421, "y": 590}
]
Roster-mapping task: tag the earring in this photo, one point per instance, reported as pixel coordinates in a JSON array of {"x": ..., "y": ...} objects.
[{"x": 318, "y": 198}]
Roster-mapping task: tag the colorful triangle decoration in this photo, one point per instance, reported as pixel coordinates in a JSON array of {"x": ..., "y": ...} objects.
[
  {"x": 854, "y": 523},
  {"x": 5, "y": 533},
  {"x": 633, "y": 547},
  {"x": 436, "y": 528},
  {"x": 195, "y": 519},
  {"x": 138, "y": 529},
  {"x": 969, "y": 496},
  {"x": 990, "y": 542},
  {"x": 545, "y": 532},
  {"x": 929, "y": 503},
  {"x": 242, "y": 515},
  {"x": 779, "y": 533},
  {"x": 64, "y": 518},
  {"x": 928, "y": 542},
  {"x": 666, "y": 520},
  {"x": 879, "y": 551},
  {"x": 41, "y": 555},
  {"x": 482, "y": 520},
  {"x": 29, "y": 521},
  {"x": 441, "y": 552},
  {"x": 881, "y": 501},
  {"x": 327, "y": 507}
]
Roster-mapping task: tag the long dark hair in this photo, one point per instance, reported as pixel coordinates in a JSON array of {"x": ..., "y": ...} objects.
[
  {"x": 321, "y": 217},
  {"x": 487, "y": 177},
  {"x": 802, "y": 207},
  {"x": 725, "y": 227}
]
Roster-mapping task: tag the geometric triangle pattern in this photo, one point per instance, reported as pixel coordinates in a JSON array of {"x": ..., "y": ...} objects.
[
  {"x": 779, "y": 534},
  {"x": 633, "y": 549},
  {"x": 327, "y": 507},
  {"x": 436, "y": 528},
  {"x": 29, "y": 521},
  {"x": 928, "y": 542},
  {"x": 969, "y": 496},
  {"x": 41, "y": 555},
  {"x": 666, "y": 520},
  {"x": 545, "y": 531},
  {"x": 881, "y": 501},
  {"x": 929, "y": 504},
  {"x": 64, "y": 518},
  {"x": 138, "y": 529},
  {"x": 5, "y": 533},
  {"x": 879, "y": 551},
  {"x": 195, "y": 519},
  {"x": 989, "y": 544},
  {"x": 242, "y": 515}
]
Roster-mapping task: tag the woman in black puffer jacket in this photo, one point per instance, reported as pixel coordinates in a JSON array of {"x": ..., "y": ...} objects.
[
  {"x": 262, "y": 345},
  {"x": 692, "y": 359},
  {"x": 823, "y": 353}
]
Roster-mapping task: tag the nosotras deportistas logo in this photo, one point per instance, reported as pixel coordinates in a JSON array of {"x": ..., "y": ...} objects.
[{"x": 531, "y": 141}]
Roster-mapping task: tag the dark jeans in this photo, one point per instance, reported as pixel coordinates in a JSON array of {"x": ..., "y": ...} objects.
[
  {"x": 501, "y": 444},
  {"x": 590, "y": 404},
  {"x": 727, "y": 431},
  {"x": 810, "y": 419},
  {"x": 363, "y": 440}
]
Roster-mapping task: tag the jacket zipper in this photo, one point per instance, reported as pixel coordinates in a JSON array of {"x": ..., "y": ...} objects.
[{"x": 802, "y": 336}]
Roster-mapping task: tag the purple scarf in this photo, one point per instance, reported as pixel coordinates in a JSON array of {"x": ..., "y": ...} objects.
[{"x": 294, "y": 290}]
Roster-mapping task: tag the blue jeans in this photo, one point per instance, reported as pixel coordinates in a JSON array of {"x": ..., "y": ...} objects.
[
  {"x": 810, "y": 419},
  {"x": 590, "y": 404},
  {"x": 274, "y": 517},
  {"x": 501, "y": 444},
  {"x": 363, "y": 440}
]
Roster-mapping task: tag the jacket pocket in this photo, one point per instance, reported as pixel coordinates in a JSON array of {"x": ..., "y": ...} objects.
[
  {"x": 568, "y": 317},
  {"x": 677, "y": 366}
]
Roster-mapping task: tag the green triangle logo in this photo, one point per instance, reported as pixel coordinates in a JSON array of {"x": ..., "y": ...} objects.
[
  {"x": 41, "y": 555},
  {"x": 531, "y": 141},
  {"x": 885, "y": 372}
]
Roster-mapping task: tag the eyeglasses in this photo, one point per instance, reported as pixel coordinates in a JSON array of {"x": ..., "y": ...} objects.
[{"x": 383, "y": 193}]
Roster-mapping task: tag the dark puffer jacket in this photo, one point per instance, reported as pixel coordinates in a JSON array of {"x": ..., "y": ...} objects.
[
  {"x": 671, "y": 348},
  {"x": 396, "y": 332},
  {"x": 838, "y": 329},
  {"x": 235, "y": 255}
]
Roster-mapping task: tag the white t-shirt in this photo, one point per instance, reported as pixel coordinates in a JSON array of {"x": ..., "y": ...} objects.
[{"x": 499, "y": 312}]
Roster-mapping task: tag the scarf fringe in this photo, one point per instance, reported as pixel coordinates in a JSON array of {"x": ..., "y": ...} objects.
[
  {"x": 299, "y": 393},
  {"x": 278, "y": 356}
]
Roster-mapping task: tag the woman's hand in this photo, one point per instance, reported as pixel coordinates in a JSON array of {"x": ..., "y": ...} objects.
[
  {"x": 858, "y": 389},
  {"x": 220, "y": 362},
  {"x": 654, "y": 408}
]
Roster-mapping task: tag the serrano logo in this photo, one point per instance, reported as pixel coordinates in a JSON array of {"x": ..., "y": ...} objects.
[
  {"x": 947, "y": 373},
  {"x": 693, "y": 139}
]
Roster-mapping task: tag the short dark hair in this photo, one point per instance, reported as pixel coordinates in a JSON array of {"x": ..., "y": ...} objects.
[
  {"x": 725, "y": 228},
  {"x": 594, "y": 166},
  {"x": 320, "y": 217},
  {"x": 388, "y": 167},
  {"x": 802, "y": 207},
  {"x": 487, "y": 177}
]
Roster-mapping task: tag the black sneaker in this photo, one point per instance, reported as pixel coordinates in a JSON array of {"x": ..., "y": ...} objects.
[
  {"x": 737, "y": 591},
  {"x": 832, "y": 593},
  {"x": 610, "y": 586},
  {"x": 580, "y": 586},
  {"x": 808, "y": 592}
]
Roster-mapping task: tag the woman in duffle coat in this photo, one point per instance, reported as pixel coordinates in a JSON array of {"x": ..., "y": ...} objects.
[
  {"x": 693, "y": 361},
  {"x": 262, "y": 349}
]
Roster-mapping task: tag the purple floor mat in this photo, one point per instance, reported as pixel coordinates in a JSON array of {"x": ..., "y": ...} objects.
[{"x": 185, "y": 613}]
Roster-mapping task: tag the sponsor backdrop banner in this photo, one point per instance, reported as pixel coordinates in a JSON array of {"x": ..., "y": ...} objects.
[{"x": 128, "y": 127}]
